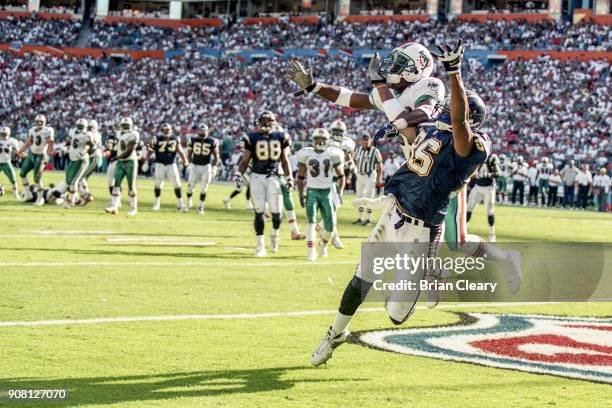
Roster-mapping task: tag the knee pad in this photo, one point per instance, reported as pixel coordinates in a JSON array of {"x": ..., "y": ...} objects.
[
  {"x": 258, "y": 223},
  {"x": 276, "y": 220},
  {"x": 353, "y": 296}
]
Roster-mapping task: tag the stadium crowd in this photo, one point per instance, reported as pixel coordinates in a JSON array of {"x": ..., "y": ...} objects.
[
  {"x": 500, "y": 34},
  {"x": 57, "y": 33}
]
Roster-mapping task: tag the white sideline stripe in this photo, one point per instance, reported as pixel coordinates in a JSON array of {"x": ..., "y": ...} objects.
[
  {"x": 104, "y": 320},
  {"x": 111, "y": 264}
]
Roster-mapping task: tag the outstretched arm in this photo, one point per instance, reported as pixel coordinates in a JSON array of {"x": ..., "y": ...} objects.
[{"x": 303, "y": 78}]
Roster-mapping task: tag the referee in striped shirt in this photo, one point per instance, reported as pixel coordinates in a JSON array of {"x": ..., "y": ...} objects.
[{"x": 368, "y": 163}]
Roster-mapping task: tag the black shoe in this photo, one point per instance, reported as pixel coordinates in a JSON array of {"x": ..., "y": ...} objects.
[
  {"x": 366, "y": 223},
  {"x": 356, "y": 222}
]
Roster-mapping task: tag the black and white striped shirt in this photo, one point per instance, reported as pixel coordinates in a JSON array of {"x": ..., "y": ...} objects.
[{"x": 366, "y": 160}]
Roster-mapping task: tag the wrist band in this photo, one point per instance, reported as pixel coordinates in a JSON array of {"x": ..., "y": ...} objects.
[{"x": 344, "y": 98}]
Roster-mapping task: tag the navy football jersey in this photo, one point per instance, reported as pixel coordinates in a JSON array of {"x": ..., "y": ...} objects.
[
  {"x": 111, "y": 145},
  {"x": 266, "y": 150},
  {"x": 423, "y": 185},
  {"x": 165, "y": 149},
  {"x": 202, "y": 149}
]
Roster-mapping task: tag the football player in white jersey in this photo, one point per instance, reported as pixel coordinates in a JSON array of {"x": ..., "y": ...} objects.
[
  {"x": 8, "y": 145},
  {"x": 340, "y": 140},
  {"x": 40, "y": 142},
  {"x": 79, "y": 143},
  {"x": 318, "y": 166},
  {"x": 402, "y": 88},
  {"x": 545, "y": 170},
  {"x": 95, "y": 161},
  {"x": 126, "y": 167}
]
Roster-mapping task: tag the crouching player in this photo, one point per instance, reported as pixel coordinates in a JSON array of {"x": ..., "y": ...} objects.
[
  {"x": 126, "y": 167},
  {"x": 8, "y": 145},
  {"x": 444, "y": 157},
  {"x": 318, "y": 165}
]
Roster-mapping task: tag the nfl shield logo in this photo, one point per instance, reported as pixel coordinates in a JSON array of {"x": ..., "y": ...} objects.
[{"x": 563, "y": 346}]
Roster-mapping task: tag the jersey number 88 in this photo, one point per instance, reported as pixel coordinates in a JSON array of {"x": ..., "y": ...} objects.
[{"x": 267, "y": 150}]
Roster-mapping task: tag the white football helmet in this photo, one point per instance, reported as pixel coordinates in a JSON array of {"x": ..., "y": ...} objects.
[
  {"x": 93, "y": 125},
  {"x": 126, "y": 123},
  {"x": 81, "y": 124},
  {"x": 337, "y": 130},
  {"x": 5, "y": 132},
  {"x": 40, "y": 121},
  {"x": 544, "y": 160},
  {"x": 166, "y": 129},
  {"x": 410, "y": 61},
  {"x": 320, "y": 138}
]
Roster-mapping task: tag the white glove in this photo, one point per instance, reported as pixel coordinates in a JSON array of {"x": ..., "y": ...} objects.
[
  {"x": 451, "y": 58},
  {"x": 373, "y": 70}
]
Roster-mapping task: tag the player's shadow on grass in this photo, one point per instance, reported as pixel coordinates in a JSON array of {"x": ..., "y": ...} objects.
[{"x": 112, "y": 390}]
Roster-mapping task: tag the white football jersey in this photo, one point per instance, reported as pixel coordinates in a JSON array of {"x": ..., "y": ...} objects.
[
  {"x": 545, "y": 170},
  {"x": 7, "y": 147},
  {"x": 79, "y": 145},
  {"x": 320, "y": 166},
  {"x": 423, "y": 89},
  {"x": 96, "y": 140},
  {"x": 40, "y": 139},
  {"x": 124, "y": 138}
]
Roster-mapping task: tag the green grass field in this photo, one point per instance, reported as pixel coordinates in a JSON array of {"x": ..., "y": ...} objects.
[{"x": 83, "y": 264}]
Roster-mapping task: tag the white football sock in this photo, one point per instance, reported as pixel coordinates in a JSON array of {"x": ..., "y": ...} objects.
[{"x": 340, "y": 323}]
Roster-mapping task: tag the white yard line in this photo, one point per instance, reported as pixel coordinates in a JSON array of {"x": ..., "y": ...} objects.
[
  {"x": 103, "y": 320},
  {"x": 225, "y": 263}
]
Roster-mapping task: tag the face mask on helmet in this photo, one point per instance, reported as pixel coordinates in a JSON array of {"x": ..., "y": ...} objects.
[
  {"x": 203, "y": 130},
  {"x": 5, "y": 133},
  {"x": 40, "y": 121},
  {"x": 320, "y": 143},
  {"x": 266, "y": 123},
  {"x": 166, "y": 129},
  {"x": 395, "y": 65},
  {"x": 337, "y": 134},
  {"x": 476, "y": 115},
  {"x": 81, "y": 125}
]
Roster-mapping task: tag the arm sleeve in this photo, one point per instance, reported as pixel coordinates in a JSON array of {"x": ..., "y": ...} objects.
[
  {"x": 302, "y": 156},
  {"x": 286, "y": 141},
  {"x": 246, "y": 140}
]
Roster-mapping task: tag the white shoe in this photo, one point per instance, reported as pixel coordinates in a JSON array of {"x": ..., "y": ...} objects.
[
  {"x": 111, "y": 210},
  {"x": 326, "y": 347},
  {"x": 132, "y": 212},
  {"x": 433, "y": 295},
  {"x": 40, "y": 200},
  {"x": 59, "y": 201},
  {"x": 201, "y": 210},
  {"x": 155, "y": 207},
  {"x": 260, "y": 251},
  {"x": 511, "y": 269},
  {"x": 323, "y": 251},
  {"x": 274, "y": 244},
  {"x": 228, "y": 203},
  {"x": 336, "y": 242},
  {"x": 492, "y": 238},
  {"x": 312, "y": 254}
]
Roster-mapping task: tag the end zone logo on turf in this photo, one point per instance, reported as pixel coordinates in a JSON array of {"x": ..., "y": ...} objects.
[{"x": 569, "y": 347}]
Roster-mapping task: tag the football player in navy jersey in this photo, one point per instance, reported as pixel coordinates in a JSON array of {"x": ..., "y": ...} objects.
[
  {"x": 266, "y": 149},
  {"x": 204, "y": 155},
  {"x": 444, "y": 156},
  {"x": 166, "y": 147}
]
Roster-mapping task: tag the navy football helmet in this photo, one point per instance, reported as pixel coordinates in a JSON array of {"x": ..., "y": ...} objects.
[
  {"x": 477, "y": 110},
  {"x": 265, "y": 122}
]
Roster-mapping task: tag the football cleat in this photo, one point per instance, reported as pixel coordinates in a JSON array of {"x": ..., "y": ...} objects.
[
  {"x": 260, "y": 251},
  {"x": 227, "y": 203},
  {"x": 357, "y": 222},
  {"x": 59, "y": 201},
  {"x": 336, "y": 242},
  {"x": 511, "y": 269},
  {"x": 201, "y": 210},
  {"x": 323, "y": 251},
  {"x": 88, "y": 198},
  {"x": 274, "y": 243},
  {"x": 312, "y": 254},
  {"x": 111, "y": 210},
  {"x": 132, "y": 212},
  {"x": 297, "y": 236},
  {"x": 492, "y": 238},
  {"x": 433, "y": 295},
  {"x": 40, "y": 200},
  {"x": 326, "y": 347},
  {"x": 155, "y": 207}
]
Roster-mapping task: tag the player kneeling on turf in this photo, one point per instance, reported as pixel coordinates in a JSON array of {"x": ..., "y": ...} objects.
[
  {"x": 166, "y": 147},
  {"x": 126, "y": 167},
  {"x": 317, "y": 167}
]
